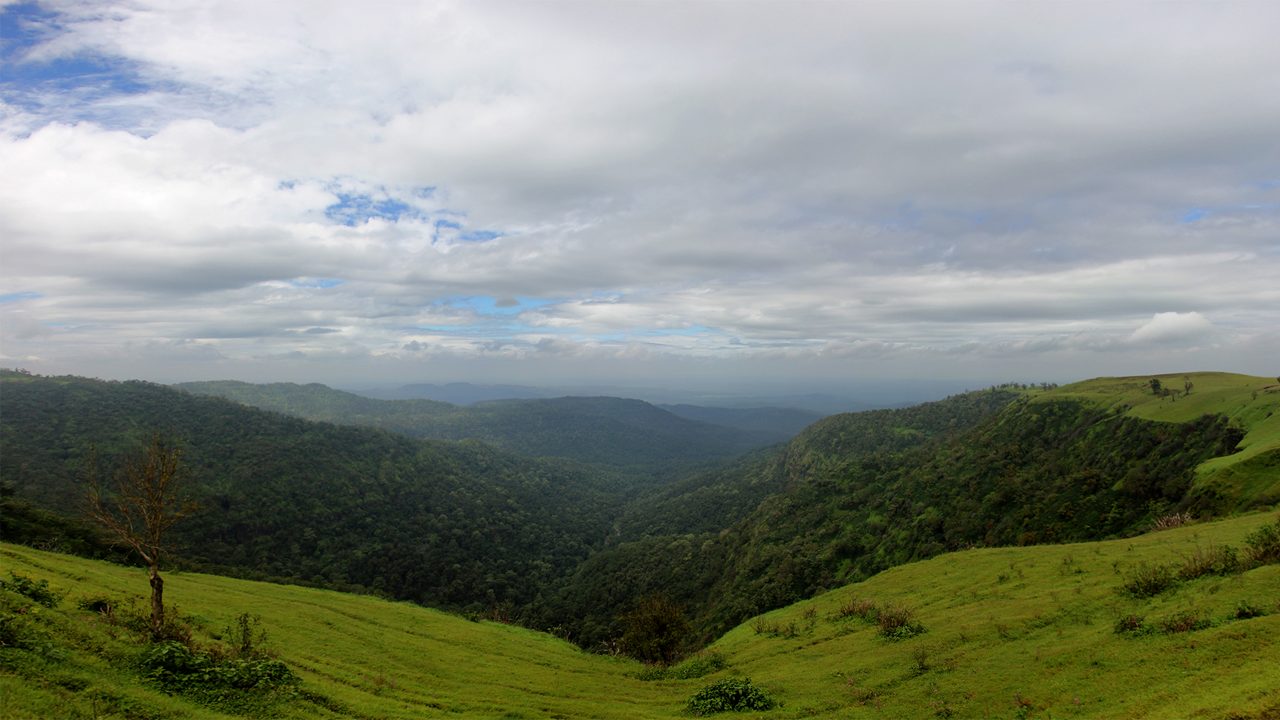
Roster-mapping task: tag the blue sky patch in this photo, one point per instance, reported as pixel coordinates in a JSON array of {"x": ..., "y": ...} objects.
[
  {"x": 316, "y": 283},
  {"x": 64, "y": 86},
  {"x": 479, "y": 235},
  {"x": 19, "y": 297},
  {"x": 354, "y": 209},
  {"x": 1195, "y": 215}
]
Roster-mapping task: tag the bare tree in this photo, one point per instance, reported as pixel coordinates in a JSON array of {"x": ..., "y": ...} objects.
[{"x": 141, "y": 507}]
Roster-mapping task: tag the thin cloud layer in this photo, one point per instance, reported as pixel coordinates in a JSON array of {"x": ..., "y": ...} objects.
[{"x": 674, "y": 191}]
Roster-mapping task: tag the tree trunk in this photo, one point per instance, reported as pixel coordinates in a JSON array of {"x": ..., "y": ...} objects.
[{"x": 157, "y": 603}]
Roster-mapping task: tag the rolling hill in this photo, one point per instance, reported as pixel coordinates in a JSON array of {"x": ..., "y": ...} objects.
[
  {"x": 628, "y": 435},
  {"x": 1032, "y": 632}
]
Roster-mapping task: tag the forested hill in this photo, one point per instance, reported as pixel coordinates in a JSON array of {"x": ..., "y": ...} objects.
[
  {"x": 629, "y": 435},
  {"x": 445, "y": 524},
  {"x": 857, "y": 493}
]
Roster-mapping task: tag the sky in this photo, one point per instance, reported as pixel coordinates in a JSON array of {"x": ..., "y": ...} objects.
[{"x": 655, "y": 193}]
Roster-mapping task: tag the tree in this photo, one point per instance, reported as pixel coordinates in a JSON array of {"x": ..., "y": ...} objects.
[
  {"x": 1187, "y": 385},
  {"x": 141, "y": 507},
  {"x": 655, "y": 631},
  {"x": 1155, "y": 386}
]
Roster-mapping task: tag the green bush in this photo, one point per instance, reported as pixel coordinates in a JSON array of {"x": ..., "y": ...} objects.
[
  {"x": 229, "y": 683},
  {"x": 732, "y": 695},
  {"x": 1264, "y": 545},
  {"x": 1149, "y": 580},
  {"x": 37, "y": 590}
]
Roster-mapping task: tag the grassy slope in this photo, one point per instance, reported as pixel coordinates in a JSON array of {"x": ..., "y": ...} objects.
[
  {"x": 1251, "y": 475},
  {"x": 1033, "y": 623}
]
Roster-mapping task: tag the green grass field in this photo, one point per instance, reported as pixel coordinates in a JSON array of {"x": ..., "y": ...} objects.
[
  {"x": 1251, "y": 475},
  {"x": 1009, "y": 633}
]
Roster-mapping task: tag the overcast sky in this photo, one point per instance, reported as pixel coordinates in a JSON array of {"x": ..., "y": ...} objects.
[{"x": 639, "y": 193}]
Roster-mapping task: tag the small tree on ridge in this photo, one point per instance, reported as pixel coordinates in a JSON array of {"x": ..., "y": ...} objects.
[{"x": 140, "y": 508}]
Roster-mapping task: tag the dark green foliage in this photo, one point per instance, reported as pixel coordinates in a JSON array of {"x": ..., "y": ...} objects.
[
  {"x": 628, "y": 435},
  {"x": 1264, "y": 545},
  {"x": 1149, "y": 580},
  {"x": 37, "y": 590},
  {"x": 237, "y": 684},
  {"x": 655, "y": 631},
  {"x": 459, "y": 526},
  {"x": 731, "y": 695},
  {"x": 1246, "y": 610}
]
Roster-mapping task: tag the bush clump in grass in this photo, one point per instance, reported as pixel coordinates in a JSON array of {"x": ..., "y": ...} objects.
[
  {"x": 1263, "y": 545},
  {"x": 1214, "y": 560},
  {"x": 860, "y": 608},
  {"x": 1149, "y": 580},
  {"x": 1246, "y": 610},
  {"x": 1184, "y": 621},
  {"x": 1132, "y": 625},
  {"x": 731, "y": 695},
  {"x": 228, "y": 683},
  {"x": 897, "y": 622},
  {"x": 37, "y": 590}
]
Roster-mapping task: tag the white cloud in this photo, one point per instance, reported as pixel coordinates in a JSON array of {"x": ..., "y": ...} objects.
[
  {"x": 1173, "y": 328},
  {"x": 905, "y": 184}
]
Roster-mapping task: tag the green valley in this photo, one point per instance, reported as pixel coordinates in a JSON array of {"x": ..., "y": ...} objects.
[{"x": 1031, "y": 632}]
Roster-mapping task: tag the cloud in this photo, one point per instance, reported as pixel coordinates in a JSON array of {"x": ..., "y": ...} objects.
[
  {"x": 1173, "y": 328},
  {"x": 900, "y": 185}
]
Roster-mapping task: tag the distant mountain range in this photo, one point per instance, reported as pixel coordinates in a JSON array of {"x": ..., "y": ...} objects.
[{"x": 820, "y": 403}]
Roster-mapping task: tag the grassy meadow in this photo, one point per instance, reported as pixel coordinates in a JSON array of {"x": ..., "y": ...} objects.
[{"x": 1007, "y": 633}]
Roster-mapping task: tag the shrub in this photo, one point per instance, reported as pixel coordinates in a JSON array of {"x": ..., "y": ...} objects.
[
  {"x": 1246, "y": 610},
  {"x": 732, "y": 695},
  {"x": 860, "y": 608},
  {"x": 1184, "y": 621},
  {"x": 1132, "y": 625},
  {"x": 37, "y": 590},
  {"x": 897, "y": 622},
  {"x": 1149, "y": 580},
  {"x": 207, "y": 678},
  {"x": 1264, "y": 545},
  {"x": 1212, "y": 561}
]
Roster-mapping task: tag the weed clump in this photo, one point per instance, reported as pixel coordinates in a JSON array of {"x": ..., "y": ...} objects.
[
  {"x": 898, "y": 622},
  {"x": 732, "y": 695},
  {"x": 1212, "y": 561},
  {"x": 1132, "y": 625},
  {"x": 1149, "y": 580},
  {"x": 1184, "y": 621}
]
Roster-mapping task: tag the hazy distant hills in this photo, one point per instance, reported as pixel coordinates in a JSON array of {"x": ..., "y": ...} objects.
[
  {"x": 623, "y": 434},
  {"x": 864, "y": 397}
]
